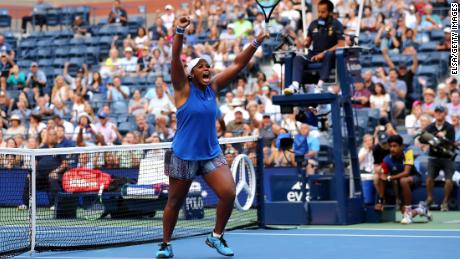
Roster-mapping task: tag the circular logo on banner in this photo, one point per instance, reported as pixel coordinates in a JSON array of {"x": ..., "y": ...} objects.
[{"x": 245, "y": 180}]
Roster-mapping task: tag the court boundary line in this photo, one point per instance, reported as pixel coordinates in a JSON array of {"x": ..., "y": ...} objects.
[
  {"x": 75, "y": 257},
  {"x": 342, "y": 235},
  {"x": 381, "y": 229}
]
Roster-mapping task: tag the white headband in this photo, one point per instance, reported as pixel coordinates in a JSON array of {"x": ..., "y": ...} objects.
[{"x": 192, "y": 63}]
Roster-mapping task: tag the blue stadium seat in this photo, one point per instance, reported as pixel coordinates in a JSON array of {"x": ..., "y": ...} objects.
[
  {"x": 27, "y": 43},
  {"x": 45, "y": 43},
  {"x": 428, "y": 46},
  {"x": 24, "y": 64},
  {"x": 60, "y": 42},
  {"x": 45, "y": 53},
  {"x": 92, "y": 55},
  {"x": 59, "y": 62},
  {"x": 77, "y": 51},
  {"x": 378, "y": 61},
  {"x": 125, "y": 127},
  {"x": 67, "y": 16},
  {"x": 77, "y": 42},
  {"x": 53, "y": 17},
  {"x": 5, "y": 18},
  {"x": 119, "y": 107},
  {"x": 62, "y": 53},
  {"x": 45, "y": 63},
  {"x": 437, "y": 35},
  {"x": 84, "y": 12}
]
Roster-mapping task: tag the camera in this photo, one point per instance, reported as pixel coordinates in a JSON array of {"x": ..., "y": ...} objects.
[
  {"x": 285, "y": 141},
  {"x": 439, "y": 145}
]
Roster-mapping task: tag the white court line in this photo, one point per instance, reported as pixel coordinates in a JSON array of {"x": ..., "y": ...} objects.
[
  {"x": 342, "y": 235},
  {"x": 75, "y": 257},
  {"x": 382, "y": 229}
]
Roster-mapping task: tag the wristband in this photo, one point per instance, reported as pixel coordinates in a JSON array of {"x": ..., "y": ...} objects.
[
  {"x": 389, "y": 178},
  {"x": 180, "y": 30},
  {"x": 255, "y": 44}
]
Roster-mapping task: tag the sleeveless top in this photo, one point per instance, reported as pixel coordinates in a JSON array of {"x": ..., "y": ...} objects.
[{"x": 196, "y": 135}]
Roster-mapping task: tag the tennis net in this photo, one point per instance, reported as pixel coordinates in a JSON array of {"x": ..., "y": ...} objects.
[{"x": 90, "y": 197}]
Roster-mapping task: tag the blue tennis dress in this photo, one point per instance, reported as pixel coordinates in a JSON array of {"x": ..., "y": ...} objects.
[{"x": 196, "y": 135}]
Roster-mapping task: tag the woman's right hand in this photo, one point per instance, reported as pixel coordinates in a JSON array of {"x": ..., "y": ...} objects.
[{"x": 183, "y": 22}]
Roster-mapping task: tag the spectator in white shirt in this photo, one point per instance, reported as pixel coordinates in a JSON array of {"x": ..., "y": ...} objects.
[
  {"x": 106, "y": 128},
  {"x": 168, "y": 17},
  {"x": 161, "y": 102},
  {"x": 129, "y": 63}
]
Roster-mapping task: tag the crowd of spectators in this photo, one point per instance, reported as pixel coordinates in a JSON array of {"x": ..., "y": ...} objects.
[{"x": 219, "y": 29}]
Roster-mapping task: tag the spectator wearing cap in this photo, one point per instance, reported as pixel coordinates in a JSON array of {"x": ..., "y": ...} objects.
[
  {"x": 407, "y": 74},
  {"x": 36, "y": 78},
  {"x": 161, "y": 102},
  {"x": 380, "y": 99},
  {"x": 236, "y": 126},
  {"x": 145, "y": 129},
  {"x": 379, "y": 151},
  {"x": 361, "y": 95},
  {"x": 229, "y": 34},
  {"x": 397, "y": 90},
  {"x": 242, "y": 26},
  {"x": 68, "y": 127},
  {"x": 137, "y": 105},
  {"x": 437, "y": 160},
  {"x": 118, "y": 14},
  {"x": 158, "y": 29},
  {"x": 117, "y": 92},
  {"x": 82, "y": 77},
  {"x": 35, "y": 125},
  {"x": 428, "y": 101},
  {"x": 79, "y": 27},
  {"x": 37, "y": 17},
  {"x": 236, "y": 104},
  {"x": 16, "y": 79},
  {"x": 128, "y": 63},
  {"x": 168, "y": 17},
  {"x": 84, "y": 133},
  {"x": 43, "y": 107},
  {"x": 106, "y": 128},
  {"x": 15, "y": 126},
  {"x": 445, "y": 43},
  {"x": 5, "y": 47},
  {"x": 412, "y": 121}
]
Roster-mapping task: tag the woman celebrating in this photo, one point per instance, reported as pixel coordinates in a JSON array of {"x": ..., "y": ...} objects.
[{"x": 195, "y": 99}]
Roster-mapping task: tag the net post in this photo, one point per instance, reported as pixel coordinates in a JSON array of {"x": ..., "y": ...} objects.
[
  {"x": 260, "y": 183},
  {"x": 33, "y": 204}
]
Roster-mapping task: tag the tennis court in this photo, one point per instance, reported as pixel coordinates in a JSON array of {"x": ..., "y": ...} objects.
[{"x": 436, "y": 239}]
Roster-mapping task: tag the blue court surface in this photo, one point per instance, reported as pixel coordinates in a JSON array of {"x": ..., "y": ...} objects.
[{"x": 297, "y": 243}]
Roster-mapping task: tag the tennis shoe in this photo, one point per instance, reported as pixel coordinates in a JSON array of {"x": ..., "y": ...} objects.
[
  {"x": 165, "y": 251},
  {"x": 422, "y": 210},
  {"x": 290, "y": 90},
  {"x": 407, "y": 217},
  {"x": 219, "y": 244},
  {"x": 444, "y": 207}
]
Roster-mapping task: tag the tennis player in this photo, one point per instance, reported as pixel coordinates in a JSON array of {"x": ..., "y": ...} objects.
[{"x": 195, "y": 148}]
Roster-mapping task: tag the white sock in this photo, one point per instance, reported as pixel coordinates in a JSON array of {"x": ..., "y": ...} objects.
[
  {"x": 320, "y": 83},
  {"x": 214, "y": 234}
]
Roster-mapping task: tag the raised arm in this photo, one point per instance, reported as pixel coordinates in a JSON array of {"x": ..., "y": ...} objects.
[
  {"x": 223, "y": 78},
  {"x": 178, "y": 76}
]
